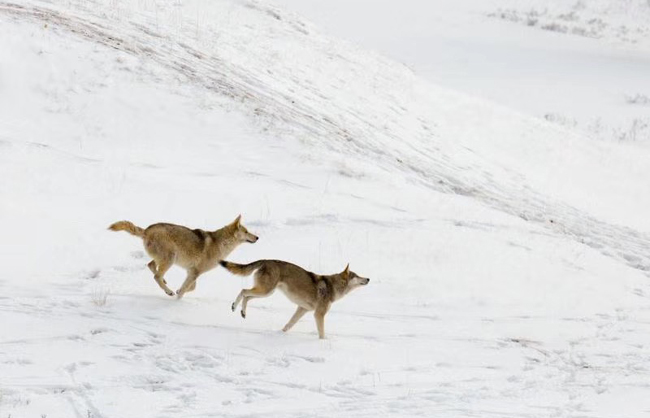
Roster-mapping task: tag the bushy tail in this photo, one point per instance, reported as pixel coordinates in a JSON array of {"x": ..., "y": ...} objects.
[
  {"x": 241, "y": 269},
  {"x": 128, "y": 227}
]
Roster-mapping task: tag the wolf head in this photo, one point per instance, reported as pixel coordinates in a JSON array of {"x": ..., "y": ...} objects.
[
  {"x": 241, "y": 233},
  {"x": 353, "y": 280}
]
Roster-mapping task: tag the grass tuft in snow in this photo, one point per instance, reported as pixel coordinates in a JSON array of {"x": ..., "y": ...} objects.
[
  {"x": 99, "y": 296},
  {"x": 638, "y": 99}
]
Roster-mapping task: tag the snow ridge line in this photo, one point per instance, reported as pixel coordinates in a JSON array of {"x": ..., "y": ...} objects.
[{"x": 346, "y": 130}]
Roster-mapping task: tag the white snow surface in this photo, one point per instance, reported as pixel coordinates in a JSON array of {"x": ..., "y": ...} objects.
[
  {"x": 508, "y": 256},
  {"x": 580, "y": 64}
]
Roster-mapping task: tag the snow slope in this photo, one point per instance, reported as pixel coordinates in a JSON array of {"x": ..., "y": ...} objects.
[
  {"x": 581, "y": 64},
  {"x": 507, "y": 255}
]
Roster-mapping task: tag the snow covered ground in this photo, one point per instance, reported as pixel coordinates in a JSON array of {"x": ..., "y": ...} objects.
[
  {"x": 580, "y": 64},
  {"x": 508, "y": 256}
]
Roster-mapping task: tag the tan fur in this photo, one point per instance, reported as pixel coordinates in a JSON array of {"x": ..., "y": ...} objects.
[
  {"x": 196, "y": 250},
  {"x": 128, "y": 227},
  {"x": 311, "y": 292}
]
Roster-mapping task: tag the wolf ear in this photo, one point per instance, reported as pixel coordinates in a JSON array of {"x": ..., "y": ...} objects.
[
  {"x": 237, "y": 221},
  {"x": 346, "y": 272}
]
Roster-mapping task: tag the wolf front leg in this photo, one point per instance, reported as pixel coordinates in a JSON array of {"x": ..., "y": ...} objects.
[
  {"x": 319, "y": 315},
  {"x": 192, "y": 275},
  {"x": 300, "y": 311}
]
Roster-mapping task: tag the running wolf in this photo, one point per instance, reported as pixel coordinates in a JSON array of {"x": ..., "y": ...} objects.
[
  {"x": 196, "y": 250},
  {"x": 311, "y": 292}
]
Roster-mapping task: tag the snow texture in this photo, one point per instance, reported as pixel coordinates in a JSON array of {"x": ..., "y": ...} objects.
[{"x": 508, "y": 255}]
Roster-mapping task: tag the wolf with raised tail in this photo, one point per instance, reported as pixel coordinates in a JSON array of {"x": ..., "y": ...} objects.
[
  {"x": 310, "y": 291},
  {"x": 195, "y": 250}
]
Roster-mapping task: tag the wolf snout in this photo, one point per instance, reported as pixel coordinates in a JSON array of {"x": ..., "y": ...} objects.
[
  {"x": 253, "y": 239},
  {"x": 366, "y": 281}
]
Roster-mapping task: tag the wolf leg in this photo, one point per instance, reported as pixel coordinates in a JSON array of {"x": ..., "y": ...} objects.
[
  {"x": 163, "y": 266},
  {"x": 190, "y": 280},
  {"x": 300, "y": 311},
  {"x": 154, "y": 269},
  {"x": 320, "y": 324},
  {"x": 255, "y": 292},
  {"x": 319, "y": 315},
  {"x": 237, "y": 300}
]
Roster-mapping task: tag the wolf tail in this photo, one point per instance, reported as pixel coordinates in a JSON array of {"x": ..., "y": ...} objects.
[
  {"x": 128, "y": 227},
  {"x": 242, "y": 269}
]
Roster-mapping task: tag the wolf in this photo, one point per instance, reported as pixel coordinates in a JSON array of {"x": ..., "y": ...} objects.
[
  {"x": 310, "y": 291},
  {"x": 196, "y": 250}
]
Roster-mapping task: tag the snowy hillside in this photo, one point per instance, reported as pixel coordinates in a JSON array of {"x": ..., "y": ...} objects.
[
  {"x": 621, "y": 22},
  {"x": 508, "y": 255},
  {"x": 579, "y": 64}
]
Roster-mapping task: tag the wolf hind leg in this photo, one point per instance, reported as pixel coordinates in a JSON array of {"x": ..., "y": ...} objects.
[
  {"x": 154, "y": 269},
  {"x": 163, "y": 265},
  {"x": 264, "y": 286},
  {"x": 248, "y": 294},
  {"x": 237, "y": 300}
]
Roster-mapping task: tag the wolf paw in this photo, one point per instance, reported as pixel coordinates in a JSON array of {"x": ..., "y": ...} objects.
[
  {"x": 233, "y": 307},
  {"x": 243, "y": 314},
  {"x": 169, "y": 292}
]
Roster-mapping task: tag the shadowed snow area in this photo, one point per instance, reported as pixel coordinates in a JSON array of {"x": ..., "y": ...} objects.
[{"x": 508, "y": 256}]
